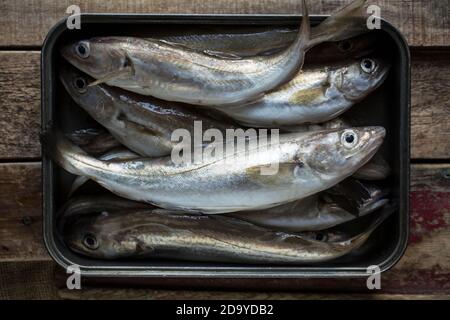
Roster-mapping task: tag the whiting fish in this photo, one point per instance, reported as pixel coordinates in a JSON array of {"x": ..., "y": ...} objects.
[{"x": 302, "y": 163}]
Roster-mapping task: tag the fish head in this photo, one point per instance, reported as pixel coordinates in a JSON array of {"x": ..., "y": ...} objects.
[
  {"x": 358, "y": 79},
  {"x": 95, "y": 235},
  {"x": 98, "y": 57},
  {"x": 95, "y": 99},
  {"x": 338, "y": 153}
]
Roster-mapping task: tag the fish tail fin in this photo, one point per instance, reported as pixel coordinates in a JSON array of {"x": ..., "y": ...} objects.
[
  {"x": 371, "y": 206},
  {"x": 301, "y": 43},
  {"x": 384, "y": 213},
  {"x": 303, "y": 38},
  {"x": 76, "y": 184},
  {"x": 348, "y": 22},
  {"x": 65, "y": 153}
]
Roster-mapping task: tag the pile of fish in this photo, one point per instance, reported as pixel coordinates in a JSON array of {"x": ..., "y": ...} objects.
[{"x": 223, "y": 208}]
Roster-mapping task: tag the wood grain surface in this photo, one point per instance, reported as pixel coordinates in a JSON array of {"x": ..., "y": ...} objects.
[
  {"x": 90, "y": 293},
  {"x": 430, "y": 104},
  {"x": 20, "y": 105},
  {"x": 422, "y": 273},
  {"x": 21, "y": 212},
  {"x": 423, "y": 22}
]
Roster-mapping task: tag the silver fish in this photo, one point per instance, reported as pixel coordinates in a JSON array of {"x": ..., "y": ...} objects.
[
  {"x": 316, "y": 94},
  {"x": 314, "y": 213},
  {"x": 114, "y": 154},
  {"x": 345, "y": 24},
  {"x": 303, "y": 164},
  {"x": 252, "y": 42},
  {"x": 93, "y": 140},
  {"x": 174, "y": 73},
  {"x": 143, "y": 124},
  {"x": 156, "y": 234},
  {"x": 376, "y": 169}
]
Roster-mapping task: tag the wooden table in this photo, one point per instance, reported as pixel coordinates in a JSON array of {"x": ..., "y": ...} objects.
[{"x": 27, "y": 271}]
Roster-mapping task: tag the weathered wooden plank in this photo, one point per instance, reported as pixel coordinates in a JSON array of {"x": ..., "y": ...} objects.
[
  {"x": 20, "y": 212},
  {"x": 20, "y": 116},
  {"x": 430, "y": 105},
  {"x": 28, "y": 280},
  {"x": 25, "y": 23},
  {"x": 36, "y": 280},
  {"x": 90, "y": 293},
  {"x": 19, "y": 105},
  {"x": 424, "y": 269}
]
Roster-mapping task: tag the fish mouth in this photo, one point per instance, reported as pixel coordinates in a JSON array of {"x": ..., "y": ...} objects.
[
  {"x": 382, "y": 74},
  {"x": 66, "y": 51},
  {"x": 377, "y": 135}
]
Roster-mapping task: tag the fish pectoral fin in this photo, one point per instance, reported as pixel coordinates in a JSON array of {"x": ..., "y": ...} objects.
[
  {"x": 126, "y": 70},
  {"x": 141, "y": 247},
  {"x": 137, "y": 126},
  {"x": 275, "y": 173},
  {"x": 76, "y": 184},
  {"x": 110, "y": 76}
]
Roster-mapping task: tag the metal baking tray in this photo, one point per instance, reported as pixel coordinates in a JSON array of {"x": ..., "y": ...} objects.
[{"x": 389, "y": 106}]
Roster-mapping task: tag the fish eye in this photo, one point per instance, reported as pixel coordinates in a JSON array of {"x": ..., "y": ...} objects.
[
  {"x": 90, "y": 241},
  {"x": 82, "y": 49},
  {"x": 368, "y": 65},
  {"x": 321, "y": 237},
  {"x": 349, "y": 139},
  {"x": 345, "y": 46},
  {"x": 80, "y": 84}
]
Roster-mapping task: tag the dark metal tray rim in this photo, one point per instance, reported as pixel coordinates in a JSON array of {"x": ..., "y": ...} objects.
[{"x": 230, "y": 271}]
